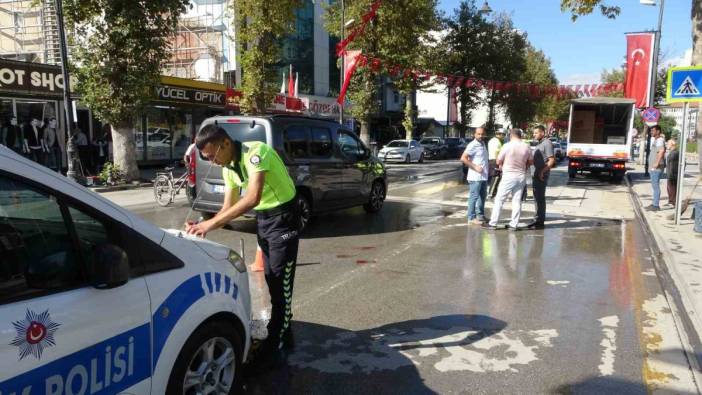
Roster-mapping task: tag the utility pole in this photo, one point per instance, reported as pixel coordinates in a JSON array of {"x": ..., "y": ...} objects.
[
  {"x": 71, "y": 152},
  {"x": 343, "y": 62},
  {"x": 654, "y": 77}
]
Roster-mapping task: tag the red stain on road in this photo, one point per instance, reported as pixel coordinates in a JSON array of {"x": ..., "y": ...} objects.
[
  {"x": 367, "y": 248},
  {"x": 363, "y": 262}
]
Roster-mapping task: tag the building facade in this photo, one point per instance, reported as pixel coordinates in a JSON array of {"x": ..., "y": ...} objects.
[
  {"x": 28, "y": 31},
  {"x": 675, "y": 111}
]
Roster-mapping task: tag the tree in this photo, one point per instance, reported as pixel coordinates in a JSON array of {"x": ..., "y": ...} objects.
[
  {"x": 391, "y": 38},
  {"x": 262, "y": 24},
  {"x": 460, "y": 53},
  {"x": 523, "y": 107},
  {"x": 120, "y": 49}
]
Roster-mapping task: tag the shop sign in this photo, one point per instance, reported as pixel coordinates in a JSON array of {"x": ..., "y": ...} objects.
[
  {"x": 31, "y": 78},
  {"x": 187, "y": 95}
]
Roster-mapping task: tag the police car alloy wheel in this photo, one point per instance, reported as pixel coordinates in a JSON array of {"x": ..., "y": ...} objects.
[
  {"x": 376, "y": 198},
  {"x": 209, "y": 363},
  {"x": 305, "y": 210}
]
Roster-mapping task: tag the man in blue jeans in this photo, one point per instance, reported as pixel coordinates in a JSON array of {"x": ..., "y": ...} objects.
[
  {"x": 656, "y": 163},
  {"x": 475, "y": 157}
]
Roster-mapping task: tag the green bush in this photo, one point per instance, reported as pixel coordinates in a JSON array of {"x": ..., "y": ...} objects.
[
  {"x": 111, "y": 174},
  {"x": 691, "y": 147}
]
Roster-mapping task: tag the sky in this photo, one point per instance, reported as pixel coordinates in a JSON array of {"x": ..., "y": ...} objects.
[{"x": 580, "y": 50}]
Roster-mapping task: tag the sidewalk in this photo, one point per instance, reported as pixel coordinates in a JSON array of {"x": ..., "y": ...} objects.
[{"x": 680, "y": 247}]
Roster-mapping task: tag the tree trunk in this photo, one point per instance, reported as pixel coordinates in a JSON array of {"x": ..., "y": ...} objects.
[
  {"x": 697, "y": 60},
  {"x": 408, "y": 122},
  {"x": 365, "y": 131},
  {"x": 124, "y": 150}
]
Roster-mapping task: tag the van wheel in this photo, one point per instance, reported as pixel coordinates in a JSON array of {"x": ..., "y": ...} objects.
[
  {"x": 571, "y": 174},
  {"x": 376, "y": 198},
  {"x": 210, "y": 362},
  {"x": 305, "y": 210}
]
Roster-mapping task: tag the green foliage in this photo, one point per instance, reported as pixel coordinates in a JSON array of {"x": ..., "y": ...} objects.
[
  {"x": 522, "y": 107},
  {"x": 691, "y": 147},
  {"x": 262, "y": 24},
  {"x": 120, "y": 47},
  {"x": 111, "y": 174},
  {"x": 579, "y": 8},
  {"x": 398, "y": 35}
]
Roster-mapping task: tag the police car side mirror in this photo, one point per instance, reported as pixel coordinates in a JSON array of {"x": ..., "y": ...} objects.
[{"x": 109, "y": 267}]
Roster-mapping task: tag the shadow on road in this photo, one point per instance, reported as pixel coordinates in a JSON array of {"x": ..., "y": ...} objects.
[{"x": 373, "y": 361}]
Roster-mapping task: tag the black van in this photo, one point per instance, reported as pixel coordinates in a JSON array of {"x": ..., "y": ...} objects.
[{"x": 331, "y": 167}]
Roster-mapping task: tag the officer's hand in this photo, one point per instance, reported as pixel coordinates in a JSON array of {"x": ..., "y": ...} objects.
[{"x": 199, "y": 229}]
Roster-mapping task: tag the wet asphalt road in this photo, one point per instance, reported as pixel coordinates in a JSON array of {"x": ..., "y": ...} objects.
[{"x": 413, "y": 301}]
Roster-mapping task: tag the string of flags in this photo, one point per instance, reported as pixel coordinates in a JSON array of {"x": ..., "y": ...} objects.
[{"x": 355, "y": 59}]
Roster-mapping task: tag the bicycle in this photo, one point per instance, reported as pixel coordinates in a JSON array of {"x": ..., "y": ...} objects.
[{"x": 166, "y": 187}]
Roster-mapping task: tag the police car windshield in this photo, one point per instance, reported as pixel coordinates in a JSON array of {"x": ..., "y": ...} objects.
[{"x": 398, "y": 143}]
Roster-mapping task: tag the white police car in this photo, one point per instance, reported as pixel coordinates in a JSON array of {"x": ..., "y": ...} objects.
[{"x": 94, "y": 300}]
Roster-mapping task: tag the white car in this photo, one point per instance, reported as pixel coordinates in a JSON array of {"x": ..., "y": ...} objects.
[
  {"x": 93, "y": 299},
  {"x": 402, "y": 151}
]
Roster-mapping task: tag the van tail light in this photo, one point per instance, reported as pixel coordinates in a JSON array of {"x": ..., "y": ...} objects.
[
  {"x": 619, "y": 166},
  {"x": 192, "y": 165},
  {"x": 576, "y": 164}
]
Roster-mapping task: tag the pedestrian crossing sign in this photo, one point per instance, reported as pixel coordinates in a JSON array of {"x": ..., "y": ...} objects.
[{"x": 684, "y": 84}]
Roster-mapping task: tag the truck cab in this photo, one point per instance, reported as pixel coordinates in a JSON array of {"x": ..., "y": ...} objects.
[{"x": 598, "y": 136}]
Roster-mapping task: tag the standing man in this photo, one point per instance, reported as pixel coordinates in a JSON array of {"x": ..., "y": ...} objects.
[
  {"x": 495, "y": 175},
  {"x": 544, "y": 161},
  {"x": 475, "y": 157},
  {"x": 656, "y": 161},
  {"x": 270, "y": 192},
  {"x": 514, "y": 160}
]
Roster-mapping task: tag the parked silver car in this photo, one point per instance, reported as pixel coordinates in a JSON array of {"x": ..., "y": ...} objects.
[{"x": 402, "y": 151}]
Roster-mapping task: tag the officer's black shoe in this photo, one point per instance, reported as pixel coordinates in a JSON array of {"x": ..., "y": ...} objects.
[
  {"x": 288, "y": 340},
  {"x": 536, "y": 225},
  {"x": 264, "y": 362}
]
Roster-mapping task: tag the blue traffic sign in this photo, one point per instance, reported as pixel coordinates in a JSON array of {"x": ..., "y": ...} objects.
[
  {"x": 684, "y": 84},
  {"x": 651, "y": 114}
]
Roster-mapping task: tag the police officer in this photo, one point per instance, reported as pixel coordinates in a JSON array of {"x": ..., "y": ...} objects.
[{"x": 270, "y": 192}]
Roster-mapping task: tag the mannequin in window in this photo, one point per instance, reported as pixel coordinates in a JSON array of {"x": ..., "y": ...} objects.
[
  {"x": 52, "y": 145},
  {"x": 12, "y": 136},
  {"x": 34, "y": 141}
]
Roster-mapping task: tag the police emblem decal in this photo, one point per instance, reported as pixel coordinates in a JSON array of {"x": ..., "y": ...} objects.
[
  {"x": 34, "y": 333},
  {"x": 255, "y": 160}
]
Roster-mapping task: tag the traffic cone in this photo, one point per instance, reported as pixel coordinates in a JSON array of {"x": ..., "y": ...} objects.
[{"x": 258, "y": 263}]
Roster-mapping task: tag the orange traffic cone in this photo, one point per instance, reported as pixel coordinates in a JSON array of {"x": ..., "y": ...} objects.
[{"x": 258, "y": 263}]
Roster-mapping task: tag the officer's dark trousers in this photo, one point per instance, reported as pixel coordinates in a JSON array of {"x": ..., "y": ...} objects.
[
  {"x": 539, "y": 188},
  {"x": 279, "y": 240}
]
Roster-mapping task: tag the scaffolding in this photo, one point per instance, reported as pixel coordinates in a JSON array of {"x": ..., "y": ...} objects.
[
  {"x": 199, "y": 47},
  {"x": 29, "y": 32}
]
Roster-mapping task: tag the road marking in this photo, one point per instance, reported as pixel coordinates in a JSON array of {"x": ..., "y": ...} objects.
[
  {"x": 649, "y": 272},
  {"x": 463, "y": 349},
  {"x": 609, "y": 344},
  {"x": 562, "y": 283}
]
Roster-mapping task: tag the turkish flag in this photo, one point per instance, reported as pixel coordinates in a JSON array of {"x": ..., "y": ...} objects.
[
  {"x": 351, "y": 61},
  {"x": 639, "y": 63}
]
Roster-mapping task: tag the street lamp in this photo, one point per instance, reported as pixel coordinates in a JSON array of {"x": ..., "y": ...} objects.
[
  {"x": 71, "y": 152},
  {"x": 654, "y": 72},
  {"x": 485, "y": 9}
]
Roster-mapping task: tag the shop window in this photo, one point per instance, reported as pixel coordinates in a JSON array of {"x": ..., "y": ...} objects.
[
  {"x": 158, "y": 135},
  {"x": 320, "y": 143},
  {"x": 295, "y": 142},
  {"x": 181, "y": 125}
]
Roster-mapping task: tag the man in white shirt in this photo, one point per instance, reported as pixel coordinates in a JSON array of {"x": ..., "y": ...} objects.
[
  {"x": 514, "y": 159},
  {"x": 494, "y": 175},
  {"x": 475, "y": 157}
]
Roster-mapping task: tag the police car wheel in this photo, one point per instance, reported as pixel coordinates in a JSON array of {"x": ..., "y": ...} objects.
[{"x": 209, "y": 363}]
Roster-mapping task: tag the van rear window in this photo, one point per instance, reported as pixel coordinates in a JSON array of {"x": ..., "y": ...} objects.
[{"x": 244, "y": 132}]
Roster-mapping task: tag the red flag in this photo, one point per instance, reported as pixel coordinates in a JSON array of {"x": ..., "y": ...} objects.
[
  {"x": 639, "y": 52},
  {"x": 351, "y": 62},
  {"x": 291, "y": 83}
]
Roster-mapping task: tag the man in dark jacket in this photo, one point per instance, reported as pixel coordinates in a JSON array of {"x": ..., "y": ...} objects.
[{"x": 672, "y": 159}]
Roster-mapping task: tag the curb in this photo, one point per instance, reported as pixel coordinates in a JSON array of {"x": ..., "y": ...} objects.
[
  {"x": 663, "y": 262},
  {"x": 116, "y": 188}
]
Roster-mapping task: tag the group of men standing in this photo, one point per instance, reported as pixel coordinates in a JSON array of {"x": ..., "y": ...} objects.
[{"x": 504, "y": 168}]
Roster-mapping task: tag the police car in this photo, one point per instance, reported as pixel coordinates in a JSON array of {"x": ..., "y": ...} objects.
[{"x": 94, "y": 300}]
